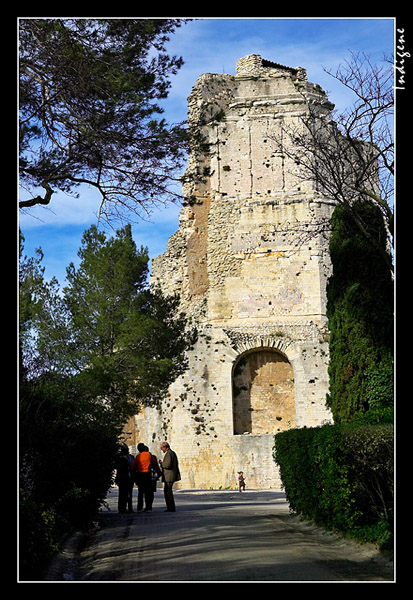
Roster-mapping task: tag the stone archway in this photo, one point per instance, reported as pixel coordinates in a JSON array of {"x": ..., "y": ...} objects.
[{"x": 263, "y": 393}]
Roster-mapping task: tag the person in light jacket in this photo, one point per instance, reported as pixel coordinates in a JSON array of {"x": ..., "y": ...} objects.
[{"x": 170, "y": 470}]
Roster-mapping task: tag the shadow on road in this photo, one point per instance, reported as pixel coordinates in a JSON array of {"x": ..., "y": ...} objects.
[{"x": 219, "y": 536}]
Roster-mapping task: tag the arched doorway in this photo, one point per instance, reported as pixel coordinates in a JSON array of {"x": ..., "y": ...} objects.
[{"x": 263, "y": 393}]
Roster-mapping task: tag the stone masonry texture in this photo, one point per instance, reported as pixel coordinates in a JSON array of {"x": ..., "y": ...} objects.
[{"x": 251, "y": 269}]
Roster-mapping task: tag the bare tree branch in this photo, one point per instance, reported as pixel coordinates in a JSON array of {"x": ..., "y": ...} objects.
[{"x": 350, "y": 158}]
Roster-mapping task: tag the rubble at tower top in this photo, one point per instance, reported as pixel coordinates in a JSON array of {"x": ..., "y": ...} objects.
[{"x": 253, "y": 65}]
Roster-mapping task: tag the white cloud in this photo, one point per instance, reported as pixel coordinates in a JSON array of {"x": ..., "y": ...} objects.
[{"x": 64, "y": 210}]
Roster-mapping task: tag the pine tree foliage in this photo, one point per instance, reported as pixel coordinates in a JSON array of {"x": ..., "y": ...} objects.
[
  {"x": 91, "y": 355},
  {"x": 89, "y": 94}
]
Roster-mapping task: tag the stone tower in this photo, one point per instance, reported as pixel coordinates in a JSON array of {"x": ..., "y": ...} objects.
[{"x": 251, "y": 281}]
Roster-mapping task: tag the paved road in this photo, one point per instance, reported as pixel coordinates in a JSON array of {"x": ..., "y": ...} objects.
[{"x": 220, "y": 536}]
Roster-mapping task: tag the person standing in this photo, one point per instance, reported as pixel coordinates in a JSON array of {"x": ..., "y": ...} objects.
[
  {"x": 155, "y": 472},
  {"x": 241, "y": 481},
  {"x": 124, "y": 480},
  {"x": 131, "y": 460},
  {"x": 170, "y": 469},
  {"x": 141, "y": 466}
]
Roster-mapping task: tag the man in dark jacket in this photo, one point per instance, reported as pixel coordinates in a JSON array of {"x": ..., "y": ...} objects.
[
  {"x": 124, "y": 480},
  {"x": 170, "y": 469}
]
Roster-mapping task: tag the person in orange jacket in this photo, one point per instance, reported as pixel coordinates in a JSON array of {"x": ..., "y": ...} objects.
[{"x": 143, "y": 480}]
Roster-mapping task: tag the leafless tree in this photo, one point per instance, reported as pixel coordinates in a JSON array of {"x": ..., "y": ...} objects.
[{"x": 349, "y": 156}]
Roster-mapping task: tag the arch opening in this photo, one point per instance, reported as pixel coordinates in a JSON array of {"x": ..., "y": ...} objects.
[{"x": 263, "y": 393}]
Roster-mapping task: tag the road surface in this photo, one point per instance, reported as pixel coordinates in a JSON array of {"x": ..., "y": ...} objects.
[{"x": 220, "y": 536}]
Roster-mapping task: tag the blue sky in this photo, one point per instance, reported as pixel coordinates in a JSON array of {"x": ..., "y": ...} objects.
[{"x": 213, "y": 45}]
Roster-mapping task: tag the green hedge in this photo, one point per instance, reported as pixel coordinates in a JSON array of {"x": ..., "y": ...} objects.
[{"x": 341, "y": 477}]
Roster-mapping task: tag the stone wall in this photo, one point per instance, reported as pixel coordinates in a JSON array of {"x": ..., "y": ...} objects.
[{"x": 251, "y": 268}]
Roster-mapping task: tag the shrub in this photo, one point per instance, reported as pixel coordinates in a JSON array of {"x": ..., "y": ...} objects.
[
  {"x": 341, "y": 477},
  {"x": 369, "y": 451},
  {"x": 37, "y": 536},
  {"x": 67, "y": 455}
]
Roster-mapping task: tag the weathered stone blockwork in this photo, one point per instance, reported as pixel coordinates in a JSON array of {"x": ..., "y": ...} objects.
[{"x": 252, "y": 279}]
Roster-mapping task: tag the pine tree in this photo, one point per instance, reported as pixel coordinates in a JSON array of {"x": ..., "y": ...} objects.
[{"x": 89, "y": 99}]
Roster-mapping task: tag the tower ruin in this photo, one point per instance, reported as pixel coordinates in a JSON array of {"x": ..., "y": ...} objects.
[{"x": 250, "y": 278}]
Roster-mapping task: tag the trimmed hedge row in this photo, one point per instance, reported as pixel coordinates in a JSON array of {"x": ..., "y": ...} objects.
[{"x": 341, "y": 477}]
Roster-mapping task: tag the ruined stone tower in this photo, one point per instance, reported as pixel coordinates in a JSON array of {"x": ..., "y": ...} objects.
[{"x": 251, "y": 281}]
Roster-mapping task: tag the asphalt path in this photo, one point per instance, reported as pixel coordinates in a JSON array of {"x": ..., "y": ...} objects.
[{"x": 220, "y": 536}]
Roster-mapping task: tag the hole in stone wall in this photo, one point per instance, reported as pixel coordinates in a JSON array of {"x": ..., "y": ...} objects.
[{"x": 263, "y": 393}]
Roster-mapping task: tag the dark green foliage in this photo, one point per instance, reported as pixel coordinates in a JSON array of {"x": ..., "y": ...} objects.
[
  {"x": 360, "y": 313},
  {"x": 90, "y": 357},
  {"x": 38, "y": 536},
  {"x": 118, "y": 338},
  {"x": 89, "y": 96},
  {"x": 68, "y": 444},
  {"x": 341, "y": 477}
]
